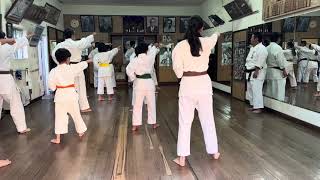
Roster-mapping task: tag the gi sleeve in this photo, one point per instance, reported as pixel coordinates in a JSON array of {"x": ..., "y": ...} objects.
[
  {"x": 211, "y": 41},
  {"x": 77, "y": 68},
  {"x": 130, "y": 70},
  {"x": 53, "y": 54},
  {"x": 85, "y": 43},
  {"x": 315, "y": 47},
  {"x": 177, "y": 61},
  {"x": 261, "y": 57},
  {"x": 114, "y": 52}
]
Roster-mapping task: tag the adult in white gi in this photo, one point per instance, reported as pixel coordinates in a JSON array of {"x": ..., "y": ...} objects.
[
  {"x": 139, "y": 70},
  {"x": 102, "y": 61},
  {"x": 276, "y": 72},
  {"x": 8, "y": 88},
  {"x": 62, "y": 80},
  {"x": 317, "y": 48},
  {"x": 292, "y": 59},
  {"x": 256, "y": 68},
  {"x": 308, "y": 63},
  {"x": 76, "y": 48},
  {"x": 190, "y": 63},
  {"x": 95, "y": 70}
]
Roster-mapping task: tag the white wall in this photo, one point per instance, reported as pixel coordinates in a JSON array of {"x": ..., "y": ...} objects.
[{"x": 131, "y": 10}]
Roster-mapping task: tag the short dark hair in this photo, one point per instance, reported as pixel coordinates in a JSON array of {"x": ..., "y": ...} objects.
[
  {"x": 102, "y": 47},
  {"x": 141, "y": 48},
  {"x": 304, "y": 43},
  {"x": 96, "y": 44},
  {"x": 68, "y": 33},
  {"x": 62, "y": 55},
  {"x": 2, "y": 35},
  {"x": 274, "y": 37},
  {"x": 258, "y": 36},
  {"x": 132, "y": 43},
  {"x": 109, "y": 47}
]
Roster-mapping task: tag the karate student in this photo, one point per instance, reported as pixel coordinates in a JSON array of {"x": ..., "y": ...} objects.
[
  {"x": 317, "y": 48},
  {"x": 102, "y": 61},
  {"x": 76, "y": 48},
  {"x": 276, "y": 72},
  {"x": 308, "y": 63},
  {"x": 139, "y": 70},
  {"x": 95, "y": 70},
  {"x": 129, "y": 52},
  {"x": 8, "y": 88},
  {"x": 291, "y": 56},
  {"x": 62, "y": 80},
  {"x": 190, "y": 63},
  {"x": 256, "y": 68}
]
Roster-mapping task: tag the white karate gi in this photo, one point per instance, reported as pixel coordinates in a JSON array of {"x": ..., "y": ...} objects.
[
  {"x": 8, "y": 88},
  {"x": 276, "y": 83},
  {"x": 105, "y": 70},
  {"x": 75, "y": 48},
  {"x": 95, "y": 70},
  {"x": 195, "y": 92},
  {"x": 66, "y": 99},
  {"x": 291, "y": 60},
  {"x": 256, "y": 58},
  {"x": 143, "y": 88},
  {"x": 307, "y": 67},
  {"x": 317, "y": 48}
]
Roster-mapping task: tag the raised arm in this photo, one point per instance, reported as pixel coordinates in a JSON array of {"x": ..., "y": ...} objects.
[
  {"x": 211, "y": 41},
  {"x": 130, "y": 70},
  {"x": 85, "y": 42},
  {"x": 53, "y": 54},
  {"x": 79, "y": 67},
  {"x": 114, "y": 52},
  {"x": 315, "y": 47}
]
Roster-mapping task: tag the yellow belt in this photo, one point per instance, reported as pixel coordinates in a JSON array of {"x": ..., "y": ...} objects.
[{"x": 104, "y": 65}]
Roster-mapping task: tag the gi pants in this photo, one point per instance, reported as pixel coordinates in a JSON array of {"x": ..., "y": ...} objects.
[
  {"x": 254, "y": 93},
  {"x": 105, "y": 82},
  {"x": 80, "y": 84}
]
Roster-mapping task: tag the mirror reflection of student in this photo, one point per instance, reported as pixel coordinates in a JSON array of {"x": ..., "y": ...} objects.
[
  {"x": 308, "y": 63},
  {"x": 317, "y": 48},
  {"x": 276, "y": 72},
  {"x": 291, "y": 55}
]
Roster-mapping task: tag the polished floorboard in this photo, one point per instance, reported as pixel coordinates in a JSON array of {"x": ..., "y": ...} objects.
[{"x": 264, "y": 146}]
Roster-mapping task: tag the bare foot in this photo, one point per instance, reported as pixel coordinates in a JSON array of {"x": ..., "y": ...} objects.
[
  {"x": 86, "y": 110},
  {"x": 134, "y": 128},
  {"x": 180, "y": 161},
  {"x": 317, "y": 94},
  {"x": 55, "y": 141},
  {"x": 257, "y": 111},
  {"x": 81, "y": 136},
  {"x": 101, "y": 99},
  {"x": 25, "y": 131},
  {"x": 4, "y": 163},
  {"x": 216, "y": 156},
  {"x": 155, "y": 126}
]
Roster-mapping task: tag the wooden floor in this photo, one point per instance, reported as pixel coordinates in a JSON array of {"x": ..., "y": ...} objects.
[{"x": 263, "y": 146}]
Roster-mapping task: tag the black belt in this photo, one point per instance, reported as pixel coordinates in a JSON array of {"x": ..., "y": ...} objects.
[
  {"x": 303, "y": 59},
  {"x": 144, "y": 76},
  {"x": 279, "y": 68},
  {"x": 313, "y": 60},
  {"x": 73, "y": 62},
  {"x": 250, "y": 73},
  {"x": 5, "y": 72}
]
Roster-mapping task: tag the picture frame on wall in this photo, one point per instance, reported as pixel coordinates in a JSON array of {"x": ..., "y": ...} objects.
[
  {"x": 169, "y": 24},
  {"x": 36, "y": 14},
  {"x": 18, "y": 10},
  {"x": 152, "y": 24},
  {"x": 9, "y": 30},
  {"x": 105, "y": 24},
  {"x": 303, "y": 23},
  {"x": 133, "y": 24},
  {"x": 37, "y": 36},
  {"x": 87, "y": 23},
  {"x": 53, "y": 14},
  {"x": 184, "y": 23}
]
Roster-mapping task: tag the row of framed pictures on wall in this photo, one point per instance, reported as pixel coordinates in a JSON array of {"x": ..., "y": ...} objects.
[{"x": 134, "y": 24}]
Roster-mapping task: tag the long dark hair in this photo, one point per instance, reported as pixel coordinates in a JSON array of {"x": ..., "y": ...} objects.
[
  {"x": 291, "y": 46},
  {"x": 192, "y": 35}
]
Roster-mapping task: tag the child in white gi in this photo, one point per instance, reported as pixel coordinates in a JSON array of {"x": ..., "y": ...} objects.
[
  {"x": 102, "y": 61},
  {"x": 139, "y": 70},
  {"x": 62, "y": 79}
]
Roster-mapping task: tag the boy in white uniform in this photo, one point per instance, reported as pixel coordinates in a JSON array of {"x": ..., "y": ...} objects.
[
  {"x": 95, "y": 70},
  {"x": 62, "y": 79},
  {"x": 76, "y": 48},
  {"x": 139, "y": 70},
  {"x": 8, "y": 87},
  {"x": 102, "y": 61}
]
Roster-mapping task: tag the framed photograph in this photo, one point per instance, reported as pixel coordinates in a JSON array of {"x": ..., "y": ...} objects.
[
  {"x": 87, "y": 23},
  {"x": 105, "y": 24},
  {"x": 166, "y": 55},
  {"x": 169, "y": 24},
  {"x": 289, "y": 24},
  {"x": 37, "y": 36},
  {"x": 17, "y": 10},
  {"x": 303, "y": 24},
  {"x": 9, "y": 30},
  {"x": 53, "y": 14},
  {"x": 36, "y": 14},
  {"x": 184, "y": 23},
  {"x": 133, "y": 24},
  {"x": 152, "y": 24}
]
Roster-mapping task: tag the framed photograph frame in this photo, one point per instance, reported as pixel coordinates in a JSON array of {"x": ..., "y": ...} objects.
[
  {"x": 87, "y": 23},
  {"x": 36, "y": 14},
  {"x": 133, "y": 24},
  {"x": 167, "y": 28},
  {"x": 184, "y": 23},
  {"x": 37, "y": 36},
  {"x": 9, "y": 30},
  {"x": 155, "y": 28},
  {"x": 53, "y": 14},
  {"x": 105, "y": 24},
  {"x": 18, "y": 10}
]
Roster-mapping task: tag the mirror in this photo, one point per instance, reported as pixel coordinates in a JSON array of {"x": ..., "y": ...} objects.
[{"x": 300, "y": 61}]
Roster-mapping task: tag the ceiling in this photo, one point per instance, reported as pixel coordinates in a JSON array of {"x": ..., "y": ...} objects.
[{"x": 134, "y": 2}]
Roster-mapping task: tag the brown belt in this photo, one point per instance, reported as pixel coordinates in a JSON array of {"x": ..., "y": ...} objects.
[
  {"x": 5, "y": 72},
  {"x": 193, "y": 73}
]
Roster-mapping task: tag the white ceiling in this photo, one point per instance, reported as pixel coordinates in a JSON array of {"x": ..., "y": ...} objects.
[{"x": 134, "y": 2}]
